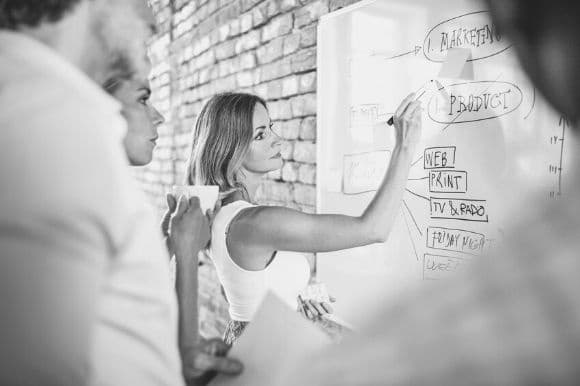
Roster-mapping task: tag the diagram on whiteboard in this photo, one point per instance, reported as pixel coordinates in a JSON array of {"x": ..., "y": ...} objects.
[{"x": 491, "y": 146}]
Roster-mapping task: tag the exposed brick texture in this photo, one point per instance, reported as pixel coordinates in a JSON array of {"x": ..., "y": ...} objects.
[{"x": 266, "y": 47}]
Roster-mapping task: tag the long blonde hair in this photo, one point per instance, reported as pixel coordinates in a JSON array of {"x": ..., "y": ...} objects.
[{"x": 221, "y": 139}]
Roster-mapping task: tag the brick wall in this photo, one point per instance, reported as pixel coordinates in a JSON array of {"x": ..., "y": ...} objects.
[{"x": 265, "y": 47}]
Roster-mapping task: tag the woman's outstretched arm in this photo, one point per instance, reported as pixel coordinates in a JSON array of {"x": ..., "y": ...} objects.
[{"x": 260, "y": 230}]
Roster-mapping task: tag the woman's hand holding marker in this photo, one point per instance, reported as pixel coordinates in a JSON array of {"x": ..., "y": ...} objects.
[{"x": 407, "y": 122}]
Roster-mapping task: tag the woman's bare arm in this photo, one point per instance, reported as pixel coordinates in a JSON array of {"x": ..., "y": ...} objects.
[{"x": 259, "y": 231}]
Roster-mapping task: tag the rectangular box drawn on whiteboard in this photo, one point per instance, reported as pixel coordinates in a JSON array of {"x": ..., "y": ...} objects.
[
  {"x": 447, "y": 181},
  {"x": 367, "y": 114},
  {"x": 364, "y": 172},
  {"x": 439, "y": 157},
  {"x": 459, "y": 209},
  {"x": 439, "y": 267},
  {"x": 455, "y": 240}
]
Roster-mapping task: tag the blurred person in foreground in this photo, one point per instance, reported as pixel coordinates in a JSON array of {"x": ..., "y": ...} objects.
[
  {"x": 84, "y": 281},
  {"x": 513, "y": 318},
  {"x": 184, "y": 225}
]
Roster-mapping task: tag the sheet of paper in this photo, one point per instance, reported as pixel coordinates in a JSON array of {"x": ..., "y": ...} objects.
[
  {"x": 277, "y": 338},
  {"x": 456, "y": 66}
]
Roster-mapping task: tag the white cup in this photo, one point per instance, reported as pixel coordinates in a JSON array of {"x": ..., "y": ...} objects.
[{"x": 207, "y": 194}]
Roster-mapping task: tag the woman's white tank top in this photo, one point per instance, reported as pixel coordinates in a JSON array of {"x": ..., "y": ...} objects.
[{"x": 287, "y": 275}]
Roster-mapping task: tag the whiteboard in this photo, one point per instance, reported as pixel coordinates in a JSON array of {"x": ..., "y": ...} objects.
[{"x": 485, "y": 153}]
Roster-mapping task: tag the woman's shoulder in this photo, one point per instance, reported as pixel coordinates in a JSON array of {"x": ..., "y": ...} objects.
[
  {"x": 228, "y": 211},
  {"x": 234, "y": 205}
]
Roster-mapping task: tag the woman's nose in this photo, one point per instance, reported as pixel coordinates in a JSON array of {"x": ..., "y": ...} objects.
[
  {"x": 276, "y": 139},
  {"x": 156, "y": 117}
]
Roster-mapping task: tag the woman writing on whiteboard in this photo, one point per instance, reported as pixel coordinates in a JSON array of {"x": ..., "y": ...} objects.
[{"x": 233, "y": 146}]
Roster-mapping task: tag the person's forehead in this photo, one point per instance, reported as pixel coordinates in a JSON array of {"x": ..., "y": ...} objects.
[
  {"x": 144, "y": 66},
  {"x": 261, "y": 116},
  {"x": 140, "y": 79},
  {"x": 140, "y": 83},
  {"x": 145, "y": 12}
]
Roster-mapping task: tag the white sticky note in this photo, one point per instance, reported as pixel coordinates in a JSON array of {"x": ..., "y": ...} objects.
[
  {"x": 208, "y": 194},
  {"x": 277, "y": 337},
  {"x": 456, "y": 66}
]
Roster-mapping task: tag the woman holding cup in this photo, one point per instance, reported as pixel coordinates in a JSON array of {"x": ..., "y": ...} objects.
[
  {"x": 234, "y": 145},
  {"x": 185, "y": 226}
]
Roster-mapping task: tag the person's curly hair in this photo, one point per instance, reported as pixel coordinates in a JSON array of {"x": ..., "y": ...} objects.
[{"x": 30, "y": 13}]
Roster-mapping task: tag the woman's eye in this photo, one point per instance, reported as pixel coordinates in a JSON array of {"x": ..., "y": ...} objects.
[
  {"x": 144, "y": 100},
  {"x": 259, "y": 136}
]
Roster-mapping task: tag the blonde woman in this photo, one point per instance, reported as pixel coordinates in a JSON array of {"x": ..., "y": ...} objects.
[
  {"x": 233, "y": 146},
  {"x": 201, "y": 358}
]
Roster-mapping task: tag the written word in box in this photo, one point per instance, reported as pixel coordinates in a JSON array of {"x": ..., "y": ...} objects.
[
  {"x": 459, "y": 209},
  {"x": 438, "y": 267},
  {"x": 447, "y": 181},
  {"x": 455, "y": 240},
  {"x": 365, "y": 114},
  {"x": 439, "y": 157}
]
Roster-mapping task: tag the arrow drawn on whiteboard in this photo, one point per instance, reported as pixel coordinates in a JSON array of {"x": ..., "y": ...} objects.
[{"x": 414, "y": 51}]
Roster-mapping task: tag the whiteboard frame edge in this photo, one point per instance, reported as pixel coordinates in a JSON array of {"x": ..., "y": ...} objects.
[
  {"x": 323, "y": 20},
  {"x": 346, "y": 9},
  {"x": 318, "y": 110}
]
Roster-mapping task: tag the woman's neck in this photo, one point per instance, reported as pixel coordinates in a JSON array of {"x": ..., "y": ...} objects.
[{"x": 251, "y": 181}]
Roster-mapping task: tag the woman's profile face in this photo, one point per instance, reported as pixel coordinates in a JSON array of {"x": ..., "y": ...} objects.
[
  {"x": 264, "y": 153},
  {"x": 142, "y": 119}
]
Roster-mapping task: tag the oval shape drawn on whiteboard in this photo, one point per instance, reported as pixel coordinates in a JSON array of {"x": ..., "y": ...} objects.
[
  {"x": 475, "y": 101},
  {"x": 474, "y": 30}
]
